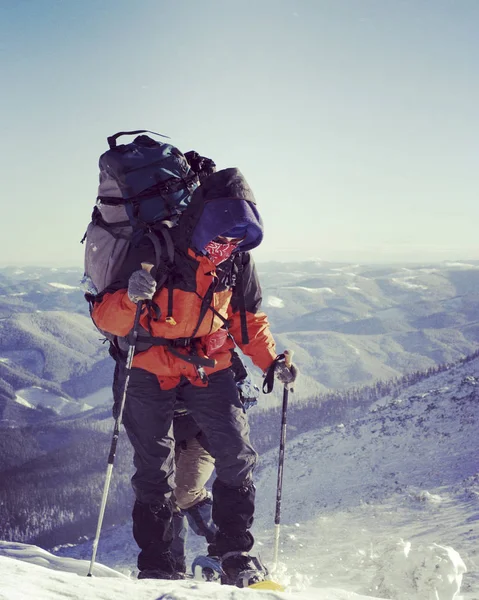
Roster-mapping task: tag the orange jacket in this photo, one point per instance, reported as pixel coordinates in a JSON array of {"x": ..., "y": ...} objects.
[{"x": 115, "y": 314}]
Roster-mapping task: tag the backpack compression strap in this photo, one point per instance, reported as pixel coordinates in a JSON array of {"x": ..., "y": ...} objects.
[
  {"x": 112, "y": 139},
  {"x": 241, "y": 301}
]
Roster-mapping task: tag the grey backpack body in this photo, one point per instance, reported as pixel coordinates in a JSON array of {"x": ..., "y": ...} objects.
[{"x": 107, "y": 241}]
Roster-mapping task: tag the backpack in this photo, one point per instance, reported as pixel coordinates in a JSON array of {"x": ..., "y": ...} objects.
[
  {"x": 142, "y": 183},
  {"x": 145, "y": 187}
]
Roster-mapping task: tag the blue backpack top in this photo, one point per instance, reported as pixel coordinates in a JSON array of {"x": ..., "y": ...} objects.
[{"x": 153, "y": 180}]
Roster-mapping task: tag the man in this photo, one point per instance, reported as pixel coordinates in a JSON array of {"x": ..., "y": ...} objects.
[
  {"x": 209, "y": 301},
  {"x": 192, "y": 502}
]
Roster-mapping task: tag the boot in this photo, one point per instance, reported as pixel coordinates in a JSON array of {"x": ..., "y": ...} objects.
[
  {"x": 160, "y": 574},
  {"x": 241, "y": 569},
  {"x": 152, "y": 530}
]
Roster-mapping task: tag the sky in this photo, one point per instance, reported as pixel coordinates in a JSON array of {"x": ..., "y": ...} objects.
[{"x": 354, "y": 121}]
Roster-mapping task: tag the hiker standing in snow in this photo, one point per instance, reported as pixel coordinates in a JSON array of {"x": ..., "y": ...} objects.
[
  {"x": 194, "y": 465},
  {"x": 207, "y": 302}
]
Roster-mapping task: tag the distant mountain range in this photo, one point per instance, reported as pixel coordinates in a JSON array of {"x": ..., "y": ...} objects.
[
  {"x": 348, "y": 325},
  {"x": 352, "y": 324}
]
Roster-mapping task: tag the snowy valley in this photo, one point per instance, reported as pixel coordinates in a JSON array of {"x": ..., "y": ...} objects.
[{"x": 381, "y": 488}]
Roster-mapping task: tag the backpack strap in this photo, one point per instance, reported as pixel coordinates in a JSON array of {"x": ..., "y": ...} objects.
[
  {"x": 166, "y": 268},
  {"x": 170, "y": 247},
  {"x": 205, "y": 305},
  {"x": 169, "y": 311},
  {"x": 112, "y": 138},
  {"x": 157, "y": 247},
  {"x": 241, "y": 301}
]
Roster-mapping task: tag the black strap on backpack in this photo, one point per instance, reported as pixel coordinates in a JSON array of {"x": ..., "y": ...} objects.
[
  {"x": 241, "y": 300},
  {"x": 112, "y": 138},
  {"x": 164, "y": 271},
  {"x": 205, "y": 304},
  {"x": 97, "y": 219}
]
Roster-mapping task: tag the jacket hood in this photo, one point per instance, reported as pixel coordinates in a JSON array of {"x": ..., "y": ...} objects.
[{"x": 228, "y": 204}]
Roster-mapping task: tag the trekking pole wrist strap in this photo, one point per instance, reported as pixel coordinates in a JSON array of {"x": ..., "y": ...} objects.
[{"x": 268, "y": 382}]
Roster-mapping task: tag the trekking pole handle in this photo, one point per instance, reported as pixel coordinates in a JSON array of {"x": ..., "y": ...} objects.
[
  {"x": 147, "y": 266},
  {"x": 288, "y": 357}
]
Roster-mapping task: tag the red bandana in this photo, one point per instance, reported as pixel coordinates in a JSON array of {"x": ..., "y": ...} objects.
[{"x": 218, "y": 253}]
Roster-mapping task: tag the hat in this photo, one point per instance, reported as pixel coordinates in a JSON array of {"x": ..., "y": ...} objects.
[{"x": 230, "y": 217}]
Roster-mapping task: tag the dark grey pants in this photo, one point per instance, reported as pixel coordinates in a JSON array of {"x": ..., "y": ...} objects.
[{"x": 218, "y": 411}]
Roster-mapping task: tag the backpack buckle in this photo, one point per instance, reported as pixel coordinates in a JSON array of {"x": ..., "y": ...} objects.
[{"x": 181, "y": 342}]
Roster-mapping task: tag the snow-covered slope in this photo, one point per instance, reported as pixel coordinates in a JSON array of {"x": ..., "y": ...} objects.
[
  {"x": 35, "y": 574},
  {"x": 408, "y": 470}
]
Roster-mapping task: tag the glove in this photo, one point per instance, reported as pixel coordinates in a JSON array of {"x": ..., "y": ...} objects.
[
  {"x": 284, "y": 373},
  {"x": 141, "y": 286}
]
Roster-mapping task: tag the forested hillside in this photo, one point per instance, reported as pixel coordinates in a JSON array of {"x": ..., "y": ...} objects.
[{"x": 52, "y": 474}]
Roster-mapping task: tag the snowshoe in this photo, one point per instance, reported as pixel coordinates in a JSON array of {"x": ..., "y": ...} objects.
[
  {"x": 234, "y": 568},
  {"x": 207, "y": 568},
  {"x": 242, "y": 570}
]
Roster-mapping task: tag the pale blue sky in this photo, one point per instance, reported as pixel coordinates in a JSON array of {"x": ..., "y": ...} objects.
[{"x": 355, "y": 121}]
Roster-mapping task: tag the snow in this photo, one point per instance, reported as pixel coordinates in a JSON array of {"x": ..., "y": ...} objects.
[
  {"x": 448, "y": 263},
  {"x": 407, "y": 283},
  {"x": 23, "y": 402},
  {"x": 408, "y": 572},
  {"x": 35, "y": 396},
  {"x": 274, "y": 302},
  {"x": 356, "y": 350},
  {"x": 320, "y": 290},
  {"x": 64, "y": 286},
  {"x": 28, "y": 572}
]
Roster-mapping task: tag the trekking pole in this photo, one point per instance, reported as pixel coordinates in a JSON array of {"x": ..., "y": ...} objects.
[
  {"x": 279, "y": 487},
  {"x": 116, "y": 428}
]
